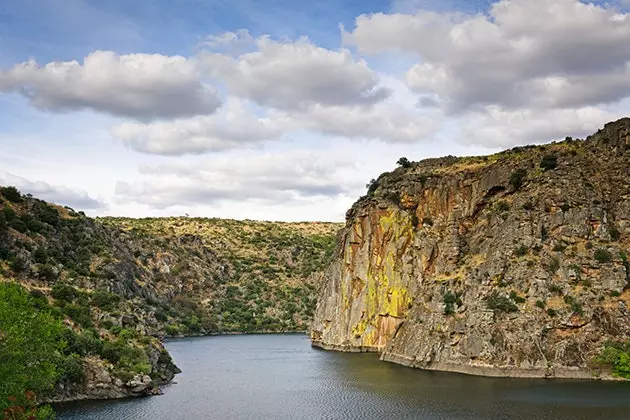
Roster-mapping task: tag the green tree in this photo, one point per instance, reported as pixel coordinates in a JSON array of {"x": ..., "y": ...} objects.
[
  {"x": 11, "y": 194},
  {"x": 30, "y": 345}
]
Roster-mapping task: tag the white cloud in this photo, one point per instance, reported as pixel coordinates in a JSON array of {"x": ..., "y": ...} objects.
[
  {"x": 387, "y": 122},
  {"x": 77, "y": 199},
  {"x": 544, "y": 53},
  {"x": 293, "y": 74},
  {"x": 141, "y": 86},
  {"x": 496, "y": 127},
  {"x": 234, "y": 126},
  {"x": 285, "y": 178}
]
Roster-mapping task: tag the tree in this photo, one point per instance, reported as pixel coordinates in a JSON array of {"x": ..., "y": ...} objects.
[
  {"x": 30, "y": 347},
  {"x": 404, "y": 162},
  {"x": 11, "y": 193},
  {"x": 549, "y": 162}
]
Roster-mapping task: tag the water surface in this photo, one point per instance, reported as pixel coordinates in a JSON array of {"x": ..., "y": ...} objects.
[{"x": 282, "y": 377}]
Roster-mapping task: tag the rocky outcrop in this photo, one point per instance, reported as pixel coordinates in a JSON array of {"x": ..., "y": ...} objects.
[
  {"x": 102, "y": 382},
  {"x": 507, "y": 265}
]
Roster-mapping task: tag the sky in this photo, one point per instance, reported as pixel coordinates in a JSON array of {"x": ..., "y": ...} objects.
[{"x": 284, "y": 110}]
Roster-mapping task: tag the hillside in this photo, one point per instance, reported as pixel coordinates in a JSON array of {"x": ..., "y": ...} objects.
[
  {"x": 514, "y": 264},
  {"x": 118, "y": 285}
]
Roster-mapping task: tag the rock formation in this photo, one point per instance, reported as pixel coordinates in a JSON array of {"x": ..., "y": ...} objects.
[{"x": 513, "y": 264}]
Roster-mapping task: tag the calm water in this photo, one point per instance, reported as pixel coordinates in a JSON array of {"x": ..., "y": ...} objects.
[{"x": 282, "y": 377}]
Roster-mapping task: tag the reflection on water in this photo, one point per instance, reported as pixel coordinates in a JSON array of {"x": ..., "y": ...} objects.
[{"x": 282, "y": 377}]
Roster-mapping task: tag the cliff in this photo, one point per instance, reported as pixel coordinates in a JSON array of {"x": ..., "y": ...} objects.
[{"x": 513, "y": 264}]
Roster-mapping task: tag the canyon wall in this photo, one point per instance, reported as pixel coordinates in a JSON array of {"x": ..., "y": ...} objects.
[{"x": 513, "y": 264}]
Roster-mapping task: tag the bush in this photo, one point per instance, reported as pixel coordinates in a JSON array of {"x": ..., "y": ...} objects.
[
  {"x": 105, "y": 300},
  {"x": 79, "y": 314},
  {"x": 517, "y": 178},
  {"x": 502, "y": 206},
  {"x": 549, "y": 162},
  {"x": 516, "y": 298},
  {"x": 603, "y": 256},
  {"x": 404, "y": 162},
  {"x": 11, "y": 193},
  {"x": 18, "y": 264},
  {"x": 541, "y": 304},
  {"x": 614, "y": 233},
  {"x": 551, "y": 312},
  {"x": 40, "y": 255},
  {"x": 501, "y": 303},
  {"x": 47, "y": 272},
  {"x": 72, "y": 369},
  {"x": 64, "y": 293},
  {"x": 172, "y": 330},
  {"x": 616, "y": 356},
  {"x": 450, "y": 299},
  {"x": 372, "y": 186}
]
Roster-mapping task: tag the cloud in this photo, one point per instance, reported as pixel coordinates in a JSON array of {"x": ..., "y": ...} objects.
[
  {"x": 234, "y": 126},
  {"x": 387, "y": 122},
  {"x": 496, "y": 127},
  {"x": 285, "y": 178},
  {"x": 292, "y": 75},
  {"x": 59, "y": 194},
  {"x": 140, "y": 86},
  {"x": 539, "y": 54}
]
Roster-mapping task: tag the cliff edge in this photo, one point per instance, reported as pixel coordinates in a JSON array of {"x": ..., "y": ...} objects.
[{"x": 513, "y": 264}]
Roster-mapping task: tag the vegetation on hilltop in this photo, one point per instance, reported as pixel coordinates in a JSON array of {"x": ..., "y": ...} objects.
[{"x": 102, "y": 291}]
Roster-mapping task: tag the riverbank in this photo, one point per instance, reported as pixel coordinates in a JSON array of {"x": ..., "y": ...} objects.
[{"x": 479, "y": 369}]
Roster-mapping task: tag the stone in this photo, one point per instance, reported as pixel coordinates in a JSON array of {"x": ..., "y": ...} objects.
[{"x": 438, "y": 279}]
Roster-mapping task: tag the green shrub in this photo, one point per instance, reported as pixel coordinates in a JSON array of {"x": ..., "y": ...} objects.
[
  {"x": 79, "y": 314},
  {"x": 11, "y": 193},
  {"x": 551, "y": 312},
  {"x": 614, "y": 233},
  {"x": 64, "y": 293},
  {"x": 450, "y": 299},
  {"x": 615, "y": 356},
  {"x": 47, "y": 272},
  {"x": 541, "y": 304},
  {"x": 549, "y": 162},
  {"x": 516, "y": 298},
  {"x": 554, "y": 288},
  {"x": 501, "y": 303},
  {"x": 517, "y": 178},
  {"x": 603, "y": 256},
  {"x": 404, "y": 162},
  {"x": 40, "y": 255},
  {"x": 105, "y": 300},
  {"x": 18, "y": 264},
  {"x": 502, "y": 206},
  {"x": 172, "y": 330},
  {"x": 72, "y": 369}
]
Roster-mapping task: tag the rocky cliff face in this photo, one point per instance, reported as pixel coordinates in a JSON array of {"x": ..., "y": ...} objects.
[{"x": 510, "y": 265}]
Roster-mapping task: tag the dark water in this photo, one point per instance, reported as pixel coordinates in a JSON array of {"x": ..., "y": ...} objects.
[{"x": 282, "y": 377}]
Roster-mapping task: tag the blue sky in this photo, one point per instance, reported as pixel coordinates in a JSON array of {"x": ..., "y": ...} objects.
[{"x": 172, "y": 107}]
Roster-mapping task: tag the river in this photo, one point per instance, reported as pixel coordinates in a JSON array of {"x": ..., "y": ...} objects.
[{"x": 282, "y": 377}]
